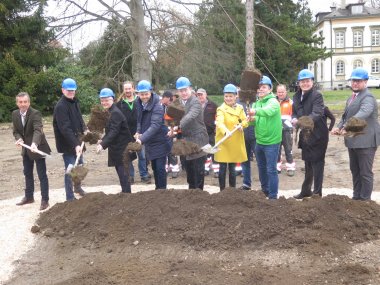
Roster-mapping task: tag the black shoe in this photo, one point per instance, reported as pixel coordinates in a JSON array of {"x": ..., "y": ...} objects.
[
  {"x": 301, "y": 196},
  {"x": 25, "y": 201},
  {"x": 246, "y": 188},
  {"x": 44, "y": 205},
  {"x": 145, "y": 179},
  {"x": 80, "y": 191}
]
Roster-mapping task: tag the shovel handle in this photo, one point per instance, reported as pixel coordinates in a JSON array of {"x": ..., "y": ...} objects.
[
  {"x": 238, "y": 126},
  {"x": 36, "y": 151},
  {"x": 79, "y": 155}
]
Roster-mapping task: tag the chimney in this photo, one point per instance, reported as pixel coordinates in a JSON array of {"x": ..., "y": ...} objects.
[{"x": 343, "y": 4}]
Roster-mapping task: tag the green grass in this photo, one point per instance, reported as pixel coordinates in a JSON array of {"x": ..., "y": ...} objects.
[{"x": 335, "y": 100}]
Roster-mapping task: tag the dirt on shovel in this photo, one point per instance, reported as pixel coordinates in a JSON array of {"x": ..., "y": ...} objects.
[
  {"x": 98, "y": 119},
  {"x": 182, "y": 147},
  {"x": 78, "y": 174}
]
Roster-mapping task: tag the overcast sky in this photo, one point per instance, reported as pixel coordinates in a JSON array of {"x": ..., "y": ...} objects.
[{"x": 91, "y": 32}]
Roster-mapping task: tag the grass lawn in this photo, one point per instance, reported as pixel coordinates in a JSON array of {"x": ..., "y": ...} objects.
[{"x": 335, "y": 100}]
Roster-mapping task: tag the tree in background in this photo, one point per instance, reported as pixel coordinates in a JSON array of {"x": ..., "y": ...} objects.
[{"x": 27, "y": 48}]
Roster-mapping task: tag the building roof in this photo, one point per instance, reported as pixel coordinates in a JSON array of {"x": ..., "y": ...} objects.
[{"x": 338, "y": 13}]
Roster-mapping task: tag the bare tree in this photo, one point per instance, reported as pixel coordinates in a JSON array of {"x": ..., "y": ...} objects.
[{"x": 142, "y": 24}]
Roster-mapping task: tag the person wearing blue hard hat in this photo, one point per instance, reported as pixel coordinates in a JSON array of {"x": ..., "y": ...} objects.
[
  {"x": 127, "y": 104},
  {"x": 116, "y": 138},
  {"x": 193, "y": 130},
  {"x": 266, "y": 117},
  {"x": 308, "y": 101},
  {"x": 361, "y": 148},
  {"x": 69, "y": 126},
  {"x": 151, "y": 131},
  {"x": 230, "y": 116}
]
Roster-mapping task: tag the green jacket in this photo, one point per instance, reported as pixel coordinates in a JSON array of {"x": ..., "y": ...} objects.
[{"x": 268, "y": 124}]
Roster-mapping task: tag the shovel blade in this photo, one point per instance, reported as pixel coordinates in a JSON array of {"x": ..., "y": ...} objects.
[
  {"x": 69, "y": 168},
  {"x": 209, "y": 149}
]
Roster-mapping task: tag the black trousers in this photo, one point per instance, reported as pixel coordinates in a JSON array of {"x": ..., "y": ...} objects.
[
  {"x": 361, "y": 162},
  {"x": 195, "y": 171},
  {"x": 287, "y": 143},
  {"x": 123, "y": 178},
  {"x": 29, "y": 177},
  {"x": 231, "y": 175},
  {"x": 313, "y": 171}
]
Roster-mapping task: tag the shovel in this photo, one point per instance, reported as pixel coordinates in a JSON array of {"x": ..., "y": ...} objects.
[
  {"x": 70, "y": 166},
  {"x": 214, "y": 149},
  {"x": 36, "y": 151}
]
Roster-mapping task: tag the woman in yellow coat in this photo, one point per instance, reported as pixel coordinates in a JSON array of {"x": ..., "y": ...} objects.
[{"x": 232, "y": 150}]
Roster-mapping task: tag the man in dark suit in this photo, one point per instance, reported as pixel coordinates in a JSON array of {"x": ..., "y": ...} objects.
[
  {"x": 362, "y": 148},
  {"x": 27, "y": 129}
]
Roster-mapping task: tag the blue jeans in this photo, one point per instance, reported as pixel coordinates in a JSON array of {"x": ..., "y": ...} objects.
[
  {"x": 69, "y": 158},
  {"x": 266, "y": 157},
  {"x": 159, "y": 172},
  {"x": 246, "y": 165},
  {"x": 143, "y": 169},
  {"x": 29, "y": 177}
]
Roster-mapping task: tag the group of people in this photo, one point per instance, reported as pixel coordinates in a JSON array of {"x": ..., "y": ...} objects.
[{"x": 260, "y": 129}]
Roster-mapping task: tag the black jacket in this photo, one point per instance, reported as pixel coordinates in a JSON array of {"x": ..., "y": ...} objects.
[
  {"x": 68, "y": 125},
  {"x": 313, "y": 148},
  {"x": 209, "y": 117},
  {"x": 116, "y": 137},
  {"x": 130, "y": 114}
]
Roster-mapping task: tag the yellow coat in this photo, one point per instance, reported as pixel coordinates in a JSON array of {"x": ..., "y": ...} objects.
[{"x": 233, "y": 149}]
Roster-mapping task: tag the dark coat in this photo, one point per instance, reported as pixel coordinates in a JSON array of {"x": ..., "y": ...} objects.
[
  {"x": 209, "y": 117},
  {"x": 31, "y": 133},
  {"x": 314, "y": 148},
  {"x": 150, "y": 124},
  {"x": 68, "y": 125},
  {"x": 130, "y": 114},
  {"x": 116, "y": 137}
]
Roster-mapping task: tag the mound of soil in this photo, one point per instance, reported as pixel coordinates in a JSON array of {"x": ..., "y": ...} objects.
[{"x": 228, "y": 220}]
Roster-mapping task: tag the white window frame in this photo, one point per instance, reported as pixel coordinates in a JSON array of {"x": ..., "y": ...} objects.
[
  {"x": 358, "y": 38},
  {"x": 375, "y": 37},
  {"x": 339, "y": 39},
  {"x": 339, "y": 67},
  {"x": 375, "y": 65},
  {"x": 357, "y": 63}
]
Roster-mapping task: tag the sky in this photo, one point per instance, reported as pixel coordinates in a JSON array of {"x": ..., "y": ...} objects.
[{"x": 79, "y": 39}]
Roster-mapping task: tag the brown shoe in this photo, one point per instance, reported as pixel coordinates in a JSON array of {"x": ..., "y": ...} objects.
[
  {"x": 44, "y": 205},
  {"x": 25, "y": 201}
]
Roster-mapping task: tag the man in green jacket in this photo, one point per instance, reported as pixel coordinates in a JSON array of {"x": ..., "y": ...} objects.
[{"x": 266, "y": 117}]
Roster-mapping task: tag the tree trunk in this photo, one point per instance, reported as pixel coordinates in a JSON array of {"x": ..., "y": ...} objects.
[
  {"x": 141, "y": 64},
  {"x": 250, "y": 35}
]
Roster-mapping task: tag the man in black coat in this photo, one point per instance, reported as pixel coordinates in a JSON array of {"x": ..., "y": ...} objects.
[
  {"x": 309, "y": 102},
  {"x": 116, "y": 138},
  {"x": 127, "y": 104},
  {"x": 68, "y": 126},
  {"x": 27, "y": 129}
]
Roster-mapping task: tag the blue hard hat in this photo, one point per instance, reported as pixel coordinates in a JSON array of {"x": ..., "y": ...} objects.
[
  {"x": 106, "y": 92},
  {"x": 266, "y": 81},
  {"x": 230, "y": 88},
  {"x": 359, "y": 73},
  {"x": 182, "y": 82},
  {"x": 144, "y": 86},
  {"x": 305, "y": 74},
  {"x": 69, "y": 84}
]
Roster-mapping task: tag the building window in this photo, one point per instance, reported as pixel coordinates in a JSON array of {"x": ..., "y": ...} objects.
[
  {"x": 375, "y": 38},
  {"x": 339, "y": 40},
  {"x": 340, "y": 67},
  {"x": 358, "y": 38},
  {"x": 375, "y": 68},
  {"x": 358, "y": 63}
]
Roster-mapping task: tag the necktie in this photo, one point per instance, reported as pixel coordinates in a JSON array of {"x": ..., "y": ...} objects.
[
  {"x": 184, "y": 102},
  {"x": 23, "y": 119},
  {"x": 353, "y": 97}
]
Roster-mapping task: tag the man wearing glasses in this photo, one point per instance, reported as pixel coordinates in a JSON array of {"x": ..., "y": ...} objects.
[{"x": 362, "y": 148}]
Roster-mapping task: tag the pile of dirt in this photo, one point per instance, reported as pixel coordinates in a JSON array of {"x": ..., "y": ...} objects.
[{"x": 228, "y": 220}]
